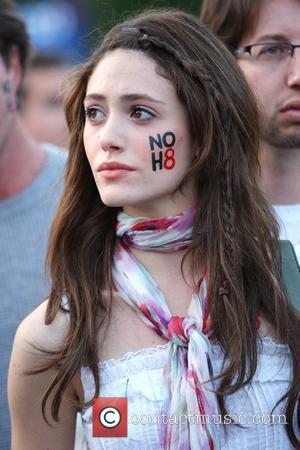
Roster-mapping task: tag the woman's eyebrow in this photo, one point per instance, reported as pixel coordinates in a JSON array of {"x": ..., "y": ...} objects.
[
  {"x": 124, "y": 98},
  {"x": 135, "y": 97}
]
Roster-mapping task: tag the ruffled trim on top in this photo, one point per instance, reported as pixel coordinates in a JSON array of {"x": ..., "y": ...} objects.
[
  {"x": 130, "y": 364},
  {"x": 274, "y": 363}
]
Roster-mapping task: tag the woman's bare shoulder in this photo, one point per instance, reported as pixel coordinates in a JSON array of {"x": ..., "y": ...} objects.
[
  {"x": 30, "y": 374},
  {"x": 35, "y": 333}
]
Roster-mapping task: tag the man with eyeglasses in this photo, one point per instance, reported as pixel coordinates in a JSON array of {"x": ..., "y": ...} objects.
[{"x": 264, "y": 36}]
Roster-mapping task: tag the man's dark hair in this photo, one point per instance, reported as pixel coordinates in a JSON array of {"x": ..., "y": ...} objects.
[
  {"x": 13, "y": 33},
  {"x": 230, "y": 19}
]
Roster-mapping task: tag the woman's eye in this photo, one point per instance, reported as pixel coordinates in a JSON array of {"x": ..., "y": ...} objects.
[
  {"x": 93, "y": 113},
  {"x": 141, "y": 114}
]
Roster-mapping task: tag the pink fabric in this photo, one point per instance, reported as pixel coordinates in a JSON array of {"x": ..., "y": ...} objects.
[{"x": 189, "y": 369}]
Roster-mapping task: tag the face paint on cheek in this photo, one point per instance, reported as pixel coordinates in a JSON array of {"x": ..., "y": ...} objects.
[{"x": 162, "y": 151}]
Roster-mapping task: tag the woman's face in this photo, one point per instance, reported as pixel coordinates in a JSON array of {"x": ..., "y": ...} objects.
[{"x": 136, "y": 136}]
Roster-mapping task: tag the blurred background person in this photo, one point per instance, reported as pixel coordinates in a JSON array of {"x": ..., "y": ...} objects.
[
  {"x": 41, "y": 103},
  {"x": 265, "y": 37},
  {"x": 29, "y": 190}
]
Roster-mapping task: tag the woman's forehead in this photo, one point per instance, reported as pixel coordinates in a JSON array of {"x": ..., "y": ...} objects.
[{"x": 128, "y": 71}]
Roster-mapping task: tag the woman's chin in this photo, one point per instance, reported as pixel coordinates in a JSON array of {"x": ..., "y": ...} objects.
[{"x": 113, "y": 201}]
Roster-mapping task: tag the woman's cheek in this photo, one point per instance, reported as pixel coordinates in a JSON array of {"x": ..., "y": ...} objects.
[
  {"x": 89, "y": 143},
  {"x": 162, "y": 147}
]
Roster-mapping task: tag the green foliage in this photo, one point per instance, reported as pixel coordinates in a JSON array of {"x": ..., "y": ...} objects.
[{"x": 110, "y": 12}]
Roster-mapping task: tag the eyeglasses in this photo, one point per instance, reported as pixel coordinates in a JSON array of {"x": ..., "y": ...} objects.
[{"x": 269, "y": 52}]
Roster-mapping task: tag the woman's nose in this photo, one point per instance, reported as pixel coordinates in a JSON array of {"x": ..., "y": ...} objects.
[{"x": 111, "y": 136}]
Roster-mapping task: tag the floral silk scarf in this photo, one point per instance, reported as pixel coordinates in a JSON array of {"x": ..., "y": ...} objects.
[{"x": 192, "y": 400}]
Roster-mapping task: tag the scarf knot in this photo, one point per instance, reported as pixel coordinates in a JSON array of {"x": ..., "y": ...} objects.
[{"x": 179, "y": 329}]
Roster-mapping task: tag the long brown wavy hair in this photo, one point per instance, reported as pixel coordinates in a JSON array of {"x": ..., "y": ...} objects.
[{"x": 235, "y": 232}]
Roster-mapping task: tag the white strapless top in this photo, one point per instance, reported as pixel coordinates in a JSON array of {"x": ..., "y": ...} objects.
[{"x": 139, "y": 376}]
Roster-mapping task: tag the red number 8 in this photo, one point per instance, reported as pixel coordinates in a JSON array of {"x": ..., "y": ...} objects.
[{"x": 169, "y": 161}]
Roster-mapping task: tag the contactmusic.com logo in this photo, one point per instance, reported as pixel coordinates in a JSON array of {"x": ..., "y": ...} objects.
[{"x": 110, "y": 417}]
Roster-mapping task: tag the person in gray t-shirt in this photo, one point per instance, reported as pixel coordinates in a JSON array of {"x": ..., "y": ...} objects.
[{"x": 29, "y": 190}]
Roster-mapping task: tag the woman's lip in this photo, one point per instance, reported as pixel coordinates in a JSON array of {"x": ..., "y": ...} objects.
[
  {"x": 113, "y": 169},
  {"x": 113, "y": 165},
  {"x": 114, "y": 173}
]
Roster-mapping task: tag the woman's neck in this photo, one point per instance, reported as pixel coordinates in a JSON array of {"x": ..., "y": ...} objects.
[
  {"x": 179, "y": 202},
  {"x": 177, "y": 283}
]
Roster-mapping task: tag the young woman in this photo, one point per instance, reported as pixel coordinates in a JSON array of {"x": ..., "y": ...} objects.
[{"x": 164, "y": 258}]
